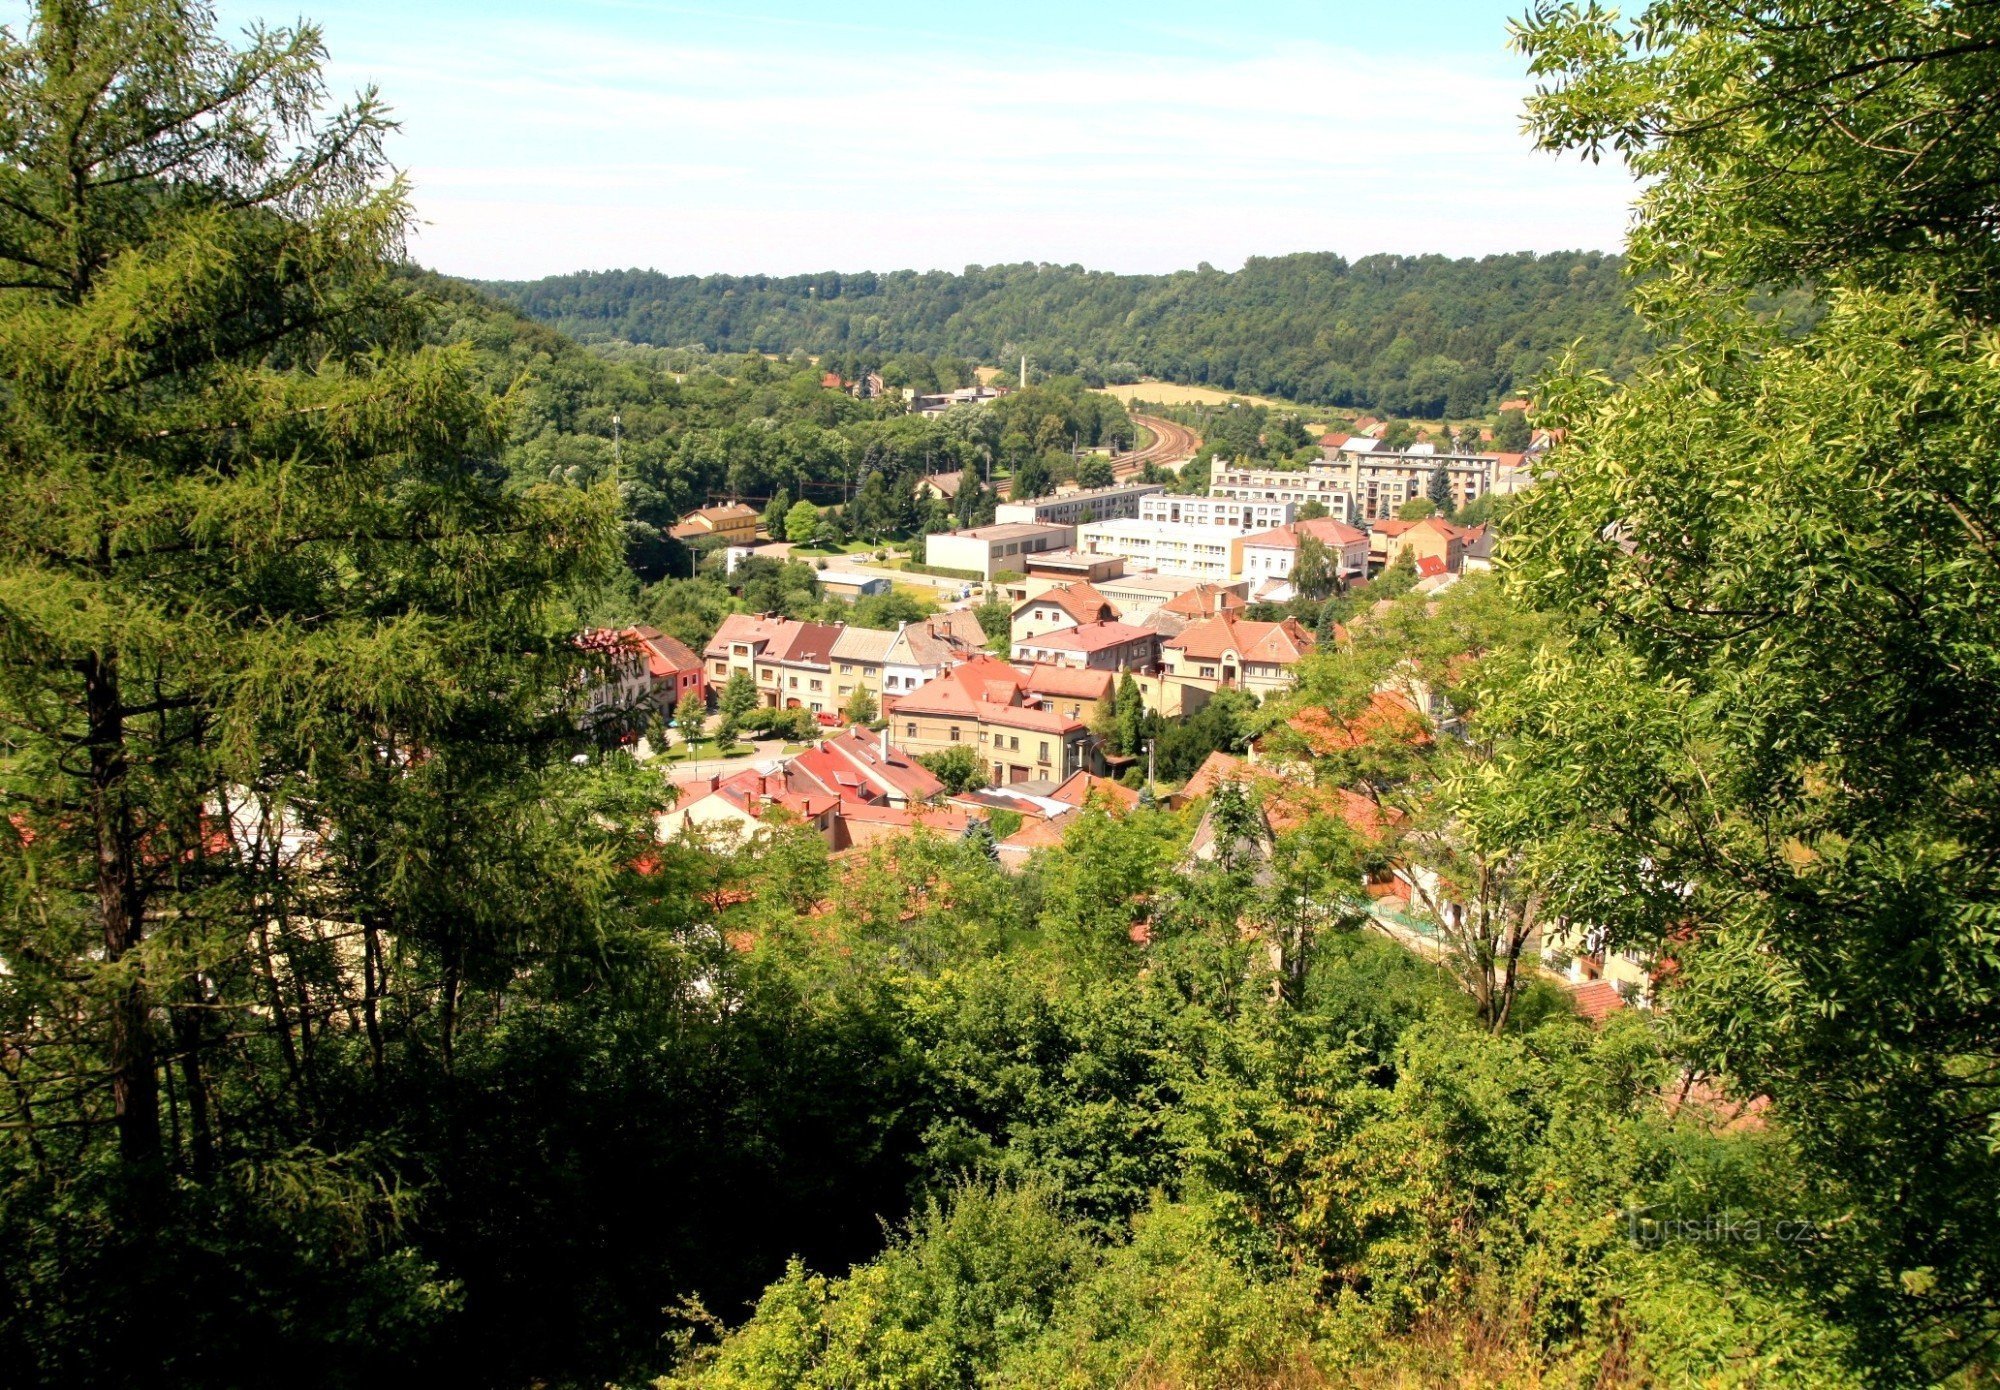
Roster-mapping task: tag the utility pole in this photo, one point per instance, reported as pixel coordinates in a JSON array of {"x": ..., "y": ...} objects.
[
  {"x": 617, "y": 433},
  {"x": 1024, "y": 371},
  {"x": 1151, "y": 744}
]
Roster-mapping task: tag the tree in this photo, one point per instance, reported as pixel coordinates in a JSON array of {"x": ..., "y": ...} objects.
[
  {"x": 860, "y": 707},
  {"x": 1130, "y": 737},
  {"x": 1417, "y": 509},
  {"x": 690, "y": 715},
  {"x": 1315, "y": 570},
  {"x": 1512, "y": 435},
  {"x": 775, "y": 512},
  {"x": 1312, "y": 510},
  {"x": 1793, "y": 760},
  {"x": 1439, "y": 490},
  {"x": 801, "y": 522},
  {"x": 263, "y": 581},
  {"x": 739, "y": 695},
  {"x": 1400, "y": 435},
  {"x": 1031, "y": 480},
  {"x": 960, "y": 769},
  {"x": 1095, "y": 471}
]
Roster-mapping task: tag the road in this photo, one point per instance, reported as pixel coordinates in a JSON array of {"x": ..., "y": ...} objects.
[{"x": 1172, "y": 445}]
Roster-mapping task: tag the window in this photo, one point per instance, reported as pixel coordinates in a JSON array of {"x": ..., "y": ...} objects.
[
  {"x": 847, "y": 690},
  {"x": 909, "y": 731},
  {"x": 795, "y": 682},
  {"x": 769, "y": 676},
  {"x": 1208, "y": 672},
  {"x": 1045, "y": 752},
  {"x": 846, "y": 668},
  {"x": 982, "y": 735},
  {"x": 954, "y": 733},
  {"x": 815, "y": 685},
  {"x": 721, "y": 669},
  {"x": 815, "y": 707}
]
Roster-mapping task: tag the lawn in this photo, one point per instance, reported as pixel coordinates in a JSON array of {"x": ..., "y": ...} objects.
[
  {"x": 704, "y": 749},
  {"x": 846, "y": 548}
]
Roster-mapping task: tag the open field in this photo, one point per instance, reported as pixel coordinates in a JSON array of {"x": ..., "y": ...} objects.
[{"x": 1168, "y": 393}]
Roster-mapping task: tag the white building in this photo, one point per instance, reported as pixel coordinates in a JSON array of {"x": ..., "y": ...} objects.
[
  {"x": 1237, "y": 513},
  {"x": 986, "y": 550},
  {"x": 1076, "y": 508},
  {"x": 1213, "y": 553},
  {"x": 1322, "y": 484}
]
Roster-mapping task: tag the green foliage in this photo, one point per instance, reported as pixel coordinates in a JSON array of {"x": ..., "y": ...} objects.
[
  {"x": 1512, "y": 435},
  {"x": 1422, "y": 336},
  {"x": 960, "y": 769},
  {"x": 861, "y": 707},
  {"x": 1416, "y": 509},
  {"x": 801, "y": 522},
  {"x": 887, "y": 612}
]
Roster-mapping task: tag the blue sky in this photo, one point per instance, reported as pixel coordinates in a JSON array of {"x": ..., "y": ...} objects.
[{"x": 785, "y": 137}]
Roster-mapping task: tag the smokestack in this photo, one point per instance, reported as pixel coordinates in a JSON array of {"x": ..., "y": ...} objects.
[
  {"x": 1024, "y": 371},
  {"x": 882, "y": 741}
]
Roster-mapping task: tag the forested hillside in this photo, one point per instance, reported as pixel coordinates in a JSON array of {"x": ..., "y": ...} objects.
[{"x": 1411, "y": 335}]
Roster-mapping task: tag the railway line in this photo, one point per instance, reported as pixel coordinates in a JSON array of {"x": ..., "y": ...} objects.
[{"x": 1172, "y": 444}]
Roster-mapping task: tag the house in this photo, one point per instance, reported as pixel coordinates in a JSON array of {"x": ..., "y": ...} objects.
[
  {"x": 922, "y": 650},
  {"x": 673, "y": 671},
  {"x": 1227, "y": 653},
  {"x": 727, "y": 812},
  {"x": 1433, "y": 539},
  {"x": 790, "y": 661},
  {"x": 985, "y": 704},
  {"x": 858, "y": 656},
  {"x": 1086, "y": 789},
  {"x": 804, "y": 668},
  {"x": 1141, "y": 594},
  {"x": 1105, "y": 646},
  {"x": 1272, "y": 554},
  {"x": 987, "y": 550},
  {"x": 1070, "y": 690},
  {"x": 1056, "y": 607},
  {"x": 864, "y": 769},
  {"x": 940, "y": 487},
  {"x": 732, "y": 523}
]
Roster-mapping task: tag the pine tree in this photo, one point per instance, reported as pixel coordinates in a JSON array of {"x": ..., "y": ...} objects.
[
  {"x": 257, "y": 575},
  {"x": 1439, "y": 490}
]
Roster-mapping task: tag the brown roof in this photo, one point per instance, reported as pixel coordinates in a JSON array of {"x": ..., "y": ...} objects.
[
  {"x": 1081, "y": 601},
  {"x": 809, "y": 644},
  {"x": 760, "y": 630},
  {"x": 1066, "y": 682},
  {"x": 664, "y": 655},
  {"x": 988, "y": 690}
]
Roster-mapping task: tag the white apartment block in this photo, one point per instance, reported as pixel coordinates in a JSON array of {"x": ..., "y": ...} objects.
[
  {"x": 1321, "y": 483},
  {"x": 1076, "y": 508},
  {"x": 1381, "y": 483},
  {"x": 988, "y": 550},
  {"x": 1236, "y": 513},
  {"x": 1211, "y": 553}
]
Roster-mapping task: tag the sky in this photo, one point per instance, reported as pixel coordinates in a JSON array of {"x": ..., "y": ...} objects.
[{"x": 767, "y": 136}]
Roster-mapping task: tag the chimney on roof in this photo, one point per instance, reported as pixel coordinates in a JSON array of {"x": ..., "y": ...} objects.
[{"x": 882, "y": 741}]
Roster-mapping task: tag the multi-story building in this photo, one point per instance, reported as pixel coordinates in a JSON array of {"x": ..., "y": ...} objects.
[
  {"x": 1380, "y": 482},
  {"x": 1320, "y": 483},
  {"x": 1272, "y": 554},
  {"x": 791, "y": 662},
  {"x": 858, "y": 655},
  {"x": 1106, "y": 646},
  {"x": 988, "y": 550},
  {"x": 986, "y": 705},
  {"x": 1203, "y": 552},
  {"x": 922, "y": 650},
  {"x": 1076, "y": 508},
  {"x": 1236, "y": 513}
]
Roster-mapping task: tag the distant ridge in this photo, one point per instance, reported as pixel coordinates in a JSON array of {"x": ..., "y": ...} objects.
[{"x": 1411, "y": 335}]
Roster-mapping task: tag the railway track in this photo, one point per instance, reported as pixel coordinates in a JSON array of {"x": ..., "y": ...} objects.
[{"x": 1172, "y": 444}]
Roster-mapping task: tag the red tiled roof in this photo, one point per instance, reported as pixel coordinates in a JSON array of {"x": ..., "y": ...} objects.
[
  {"x": 1597, "y": 1000},
  {"x": 1387, "y": 714},
  {"x": 1068, "y": 683},
  {"x": 1328, "y": 532},
  {"x": 665, "y": 656}
]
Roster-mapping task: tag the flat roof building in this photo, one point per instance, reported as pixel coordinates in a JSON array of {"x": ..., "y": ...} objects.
[
  {"x": 987, "y": 550},
  {"x": 1204, "y": 552},
  {"x": 1077, "y": 508},
  {"x": 1237, "y": 513}
]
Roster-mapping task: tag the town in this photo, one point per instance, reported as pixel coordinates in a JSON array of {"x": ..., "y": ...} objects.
[{"x": 1005, "y": 713}]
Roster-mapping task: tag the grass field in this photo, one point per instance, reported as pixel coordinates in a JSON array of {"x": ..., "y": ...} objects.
[{"x": 1168, "y": 393}]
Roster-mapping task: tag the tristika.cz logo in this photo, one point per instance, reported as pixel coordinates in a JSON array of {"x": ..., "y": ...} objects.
[{"x": 1715, "y": 1228}]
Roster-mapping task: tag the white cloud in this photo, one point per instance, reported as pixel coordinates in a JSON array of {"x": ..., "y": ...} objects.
[{"x": 536, "y": 150}]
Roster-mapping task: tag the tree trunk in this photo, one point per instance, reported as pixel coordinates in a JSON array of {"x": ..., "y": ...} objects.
[{"x": 135, "y": 1095}]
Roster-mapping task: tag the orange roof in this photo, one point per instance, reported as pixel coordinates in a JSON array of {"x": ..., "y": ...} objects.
[
  {"x": 1387, "y": 714},
  {"x": 1089, "y": 637},
  {"x": 1215, "y": 769},
  {"x": 1203, "y": 601},
  {"x": 1083, "y": 786},
  {"x": 1597, "y": 1000},
  {"x": 1324, "y": 529},
  {"x": 1038, "y": 834},
  {"x": 1068, "y": 683},
  {"x": 988, "y": 690}
]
